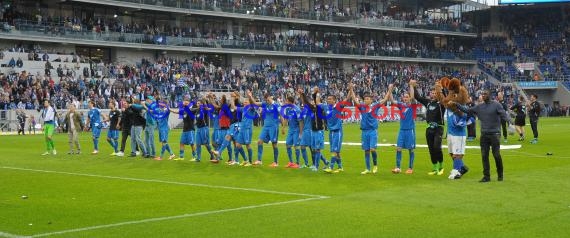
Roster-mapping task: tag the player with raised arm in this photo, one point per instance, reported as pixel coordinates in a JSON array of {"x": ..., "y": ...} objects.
[
  {"x": 232, "y": 132},
  {"x": 369, "y": 126},
  {"x": 334, "y": 124},
  {"x": 318, "y": 124},
  {"x": 292, "y": 118},
  {"x": 434, "y": 118},
  {"x": 245, "y": 133},
  {"x": 270, "y": 130},
  {"x": 407, "y": 132}
]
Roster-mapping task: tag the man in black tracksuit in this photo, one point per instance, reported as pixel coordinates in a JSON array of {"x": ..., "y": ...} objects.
[
  {"x": 490, "y": 113},
  {"x": 533, "y": 114},
  {"x": 501, "y": 99},
  {"x": 126, "y": 125},
  {"x": 434, "y": 131}
]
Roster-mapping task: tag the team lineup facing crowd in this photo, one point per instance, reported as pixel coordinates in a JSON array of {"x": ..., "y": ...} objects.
[{"x": 306, "y": 118}]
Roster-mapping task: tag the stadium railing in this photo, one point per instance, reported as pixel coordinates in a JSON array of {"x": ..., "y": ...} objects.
[
  {"x": 23, "y": 27},
  {"x": 267, "y": 10}
]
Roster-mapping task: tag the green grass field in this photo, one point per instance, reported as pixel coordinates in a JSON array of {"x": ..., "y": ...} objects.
[{"x": 103, "y": 196}]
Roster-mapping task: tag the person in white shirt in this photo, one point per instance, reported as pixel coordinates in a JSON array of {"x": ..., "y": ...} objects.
[{"x": 48, "y": 117}]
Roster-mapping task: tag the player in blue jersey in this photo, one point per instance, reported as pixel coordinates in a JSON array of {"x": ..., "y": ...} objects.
[
  {"x": 370, "y": 113},
  {"x": 456, "y": 139},
  {"x": 270, "y": 130},
  {"x": 222, "y": 117},
  {"x": 202, "y": 129},
  {"x": 335, "y": 114},
  {"x": 318, "y": 125},
  {"x": 248, "y": 112},
  {"x": 114, "y": 120},
  {"x": 188, "y": 137},
  {"x": 94, "y": 123},
  {"x": 149, "y": 128},
  {"x": 306, "y": 133},
  {"x": 407, "y": 133},
  {"x": 292, "y": 118},
  {"x": 163, "y": 130},
  {"x": 234, "y": 127}
]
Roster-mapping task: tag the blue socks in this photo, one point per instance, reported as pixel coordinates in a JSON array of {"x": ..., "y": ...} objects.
[
  {"x": 412, "y": 157},
  {"x": 398, "y": 158},
  {"x": 290, "y": 154},
  {"x": 367, "y": 159},
  {"x": 339, "y": 162},
  {"x": 181, "y": 153},
  {"x": 297, "y": 155},
  {"x": 317, "y": 161},
  {"x": 457, "y": 164},
  {"x": 304, "y": 154},
  {"x": 250, "y": 154},
  {"x": 199, "y": 149},
  {"x": 259, "y": 152},
  {"x": 333, "y": 160},
  {"x": 242, "y": 153},
  {"x": 374, "y": 158},
  {"x": 96, "y": 143},
  {"x": 230, "y": 151},
  {"x": 275, "y": 154}
]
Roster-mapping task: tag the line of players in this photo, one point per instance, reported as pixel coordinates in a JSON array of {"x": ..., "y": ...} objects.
[{"x": 306, "y": 122}]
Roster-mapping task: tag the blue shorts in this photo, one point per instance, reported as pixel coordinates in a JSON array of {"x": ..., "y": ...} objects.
[
  {"x": 293, "y": 138},
  {"x": 187, "y": 137},
  {"x": 203, "y": 136},
  {"x": 369, "y": 139},
  {"x": 113, "y": 134},
  {"x": 96, "y": 132},
  {"x": 317, "y": 140},
  {"x": 269, "y": 134},
  {"x": 163, "y": 135},
  {"x": 244, "y": 136},
  {"x": 407, "y": 139},
  {"x": 306, "y": 139},
  {"x": 335, "y": 140},
  {"x": 219, "y": 135},
  {"x": 233, "y": 131}
]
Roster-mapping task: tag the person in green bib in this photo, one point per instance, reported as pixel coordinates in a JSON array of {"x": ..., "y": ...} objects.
[{"x": 48, "y": 117}]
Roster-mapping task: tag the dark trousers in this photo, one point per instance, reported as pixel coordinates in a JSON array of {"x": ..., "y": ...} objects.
[
  {"x": 491, "y": 141},
  {"x": 433, "y": 137},
  {"x": 534, "y": 126},
  {"x": 472, "y": 130},
  {"x": 124, "y": 137},
  {"x": 21, "y": 129},
  {"x": 504, "y": 127}
]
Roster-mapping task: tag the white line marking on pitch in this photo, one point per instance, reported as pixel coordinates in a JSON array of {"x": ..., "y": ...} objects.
[
  {"x": 168, "y": 182},
  {"x": 176, "y": 217},
  {"x": 8, "y": 235},
  {"x": 503, "y": 147}
]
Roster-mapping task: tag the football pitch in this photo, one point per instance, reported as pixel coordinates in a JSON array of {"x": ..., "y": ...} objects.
[{"x": 102, "y": 196}]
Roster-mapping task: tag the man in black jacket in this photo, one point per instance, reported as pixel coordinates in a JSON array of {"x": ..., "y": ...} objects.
[{"x": 533, "y": 114}]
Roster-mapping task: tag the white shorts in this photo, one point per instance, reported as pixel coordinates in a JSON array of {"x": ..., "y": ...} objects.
[{"x": 456, "y": 144}]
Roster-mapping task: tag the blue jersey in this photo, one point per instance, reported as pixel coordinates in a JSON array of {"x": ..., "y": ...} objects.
[
  {"x": 270, "y": 115},
  {"x": 150, "y": 121},
  {"x": 94, "y": 117},
  {"x": 407, "y": 116},
  {"x": 369, "y": 114},
  {"x": 456, "y": 124},
  {"x": 293, "y": 115},
  {"x": 306, "y": 115},
  {"x": 215, "y": 117},
  {"x": 163, "y": 122},
  {"x": 248, "y": 116},
  {"x": 334, "y": 116}
]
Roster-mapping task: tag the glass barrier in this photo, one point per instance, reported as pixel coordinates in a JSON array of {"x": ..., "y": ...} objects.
[
  {"x": 82, "y": 32},
  {"x": 272, "y": 10}
]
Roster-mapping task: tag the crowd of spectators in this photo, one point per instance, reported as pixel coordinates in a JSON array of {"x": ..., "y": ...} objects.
[{"x": 173, "y": 78}]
